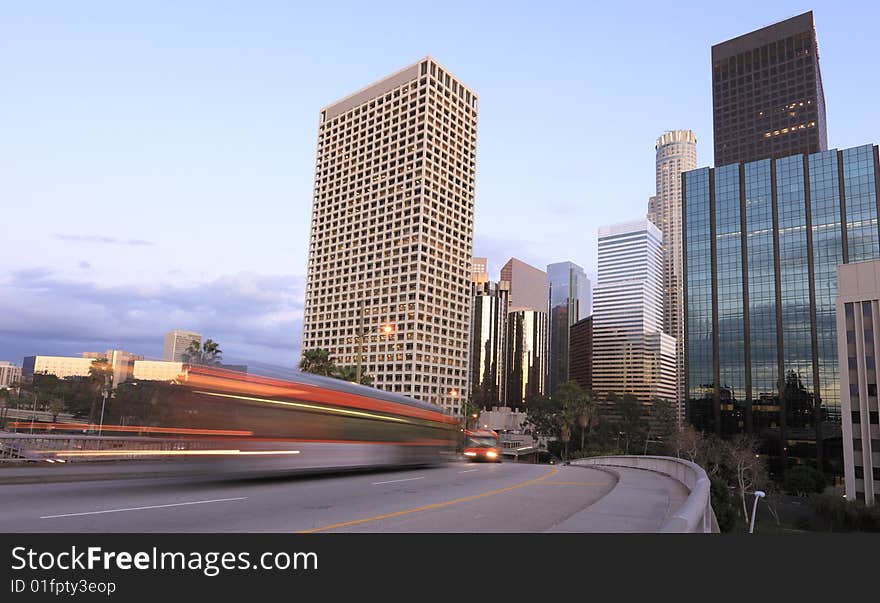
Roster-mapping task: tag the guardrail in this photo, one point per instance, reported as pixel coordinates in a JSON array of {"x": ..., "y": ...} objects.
[
  {"x": 21, "y": 446},
  {"x": 695, "y": 515}
]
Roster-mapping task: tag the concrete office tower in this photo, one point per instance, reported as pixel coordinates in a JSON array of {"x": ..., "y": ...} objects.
[
  {"x": 526, "y": 361},
  {"x": 767, "y": 93},
  {"x": 570, "y": 296},
  {"x": 631, "y": 354},
  {"x": 392, "y": 231},
  {"x": 176, "y": 343},
  {"x": 676, "y": 153},
  {"x": 580, "y": 353},
  {"x": 762, "y": 242},
  {"x": 528, "y": 286},
  {"x": 858, "y": 340},
  {"x": 488, "y": 326},
  {"x": 479, "y": 270}
]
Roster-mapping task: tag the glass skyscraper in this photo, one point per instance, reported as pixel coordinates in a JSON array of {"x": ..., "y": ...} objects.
[
  {"x": 762, "y": 241},
  {"x": 487, "y": 349},
  {"x": 570, "y": 298}
]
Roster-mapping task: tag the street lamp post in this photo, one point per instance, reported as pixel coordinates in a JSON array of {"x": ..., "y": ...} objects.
[
  {"x": 758, "y": 494},
  {"x": 360, "y": 345},
  {"x": 103, "y": 402}
]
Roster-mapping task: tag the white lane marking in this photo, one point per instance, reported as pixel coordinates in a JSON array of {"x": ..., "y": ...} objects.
[
  {"x": 409, "y": 479},
  {"x": 195, "y": 502},
  {"x": 469, "y": 470}
]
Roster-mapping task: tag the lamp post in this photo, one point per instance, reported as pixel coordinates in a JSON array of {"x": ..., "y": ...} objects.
[
  {"x": 103, "y": 402},
  {"x": 357, "y": 370},
  {"x": 758, "y": 494}
]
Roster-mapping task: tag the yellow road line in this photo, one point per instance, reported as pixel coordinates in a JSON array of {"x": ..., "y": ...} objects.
[
  {"x": 430, "y": 507},
  {"x": 576, "y": 483}
]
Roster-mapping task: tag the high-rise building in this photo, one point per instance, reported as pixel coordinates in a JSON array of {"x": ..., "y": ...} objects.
[
  {"x": 580, "y": 353},
  {"x": 121, "y": 363},
  {"x": 767, "y": 93},
  {"x": 177, "y": 342},
  {"x": 526, "y": 361},
  {"x": 858, "y": 340},
  {"x": 676, "y": 153},
  {"x": 631, "y": 354},
  {"x": 10, "y": 375},
  {"x": 479, "y": 270},
  {"x": 528, "y": 285},
  {"x": 488, "y": 330},
  {"x": 570, "y": 296},
  {"x": 391, "y": 236},
  {"x": 762, "y": 242}
]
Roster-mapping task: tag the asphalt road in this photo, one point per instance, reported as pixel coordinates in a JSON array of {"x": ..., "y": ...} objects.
[{"x": 457, "y": 497}]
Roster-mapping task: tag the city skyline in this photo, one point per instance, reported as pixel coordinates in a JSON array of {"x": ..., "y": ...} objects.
[{"x": 238, "y": 268}]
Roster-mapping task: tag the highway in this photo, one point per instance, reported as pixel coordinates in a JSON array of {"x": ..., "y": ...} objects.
[{"x": 452, "y": 498}]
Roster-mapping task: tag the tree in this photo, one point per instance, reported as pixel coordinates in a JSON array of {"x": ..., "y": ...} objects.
[
  {"x": 349, "y": 373},
  {"x": 803, "y": 479},
  {"x": 749, "y": 471},
  {"x": 208, "y": 353},
  {"x": 317, "y": 362},
  {"x": 578, "y": 407},
  {"x": 542, "y": 415},
  {"x": 100, "y": 378}
]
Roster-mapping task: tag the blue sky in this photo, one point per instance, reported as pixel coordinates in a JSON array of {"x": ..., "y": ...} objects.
[{"x": 158, "y": 156}]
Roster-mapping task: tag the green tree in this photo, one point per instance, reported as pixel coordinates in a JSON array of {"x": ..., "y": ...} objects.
[
  {"x": 803, "y": 479},
  {"x": 208, "y": 353},
  {"x": 349, "y": 373},
  {"x": 317, "y": 362},
  {"x": 100, "y": 378},
  {"x": 578, "y": 407},
  {"x": 542, "y": 415}
]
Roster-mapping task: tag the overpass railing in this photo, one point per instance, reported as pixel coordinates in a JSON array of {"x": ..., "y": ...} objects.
[{"x": 695, "y": 514}]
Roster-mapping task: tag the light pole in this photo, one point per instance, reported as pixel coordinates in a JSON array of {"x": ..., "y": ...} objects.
[
  {"x": 758, "y": 494},
  {"x": 360, "y": 345},
  {"x": 103, "y": 402}
]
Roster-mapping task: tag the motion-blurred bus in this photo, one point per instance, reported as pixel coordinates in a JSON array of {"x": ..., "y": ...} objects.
[
  {"x": 233, "y": 421},
  {"x": 482, "y": 445}
]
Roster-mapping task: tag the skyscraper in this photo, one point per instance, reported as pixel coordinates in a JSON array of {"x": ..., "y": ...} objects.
[
  {"x": 580, "y": 353},
  {"x": 767, "y": 93},
  {"x": 176, "y": 343},
  {"x": 479, "y": 270},
  {"x": 762, "y": 244},
  {"x": 389, "y": 269},
  {"x": 570, "y": 295},
  {"x": 526, "y": 360},
  {"x": 528, "y": 285},
  {"x": 858, "y": 311},
  {"x": 488, "y": 330},
  {"x": 676, "y": 153},
  {"x": 631, "y": 354}
]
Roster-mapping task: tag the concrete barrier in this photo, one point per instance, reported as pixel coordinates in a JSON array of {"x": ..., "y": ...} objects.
[{"x": 695, "y": 514}]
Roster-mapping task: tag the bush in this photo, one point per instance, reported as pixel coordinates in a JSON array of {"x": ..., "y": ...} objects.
[
  {"x": 803, "y": 479},
  {"x": 724, "y": 505},
  {"x": 838, "y": 514}
]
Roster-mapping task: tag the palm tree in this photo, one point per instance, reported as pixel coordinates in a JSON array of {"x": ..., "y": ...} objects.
[
  {"x": 208, "y": 352},
  {"x": 317, "y": 362},
  {"x": 577, "y": 406},
  {"x": 100, "y": 378},
  {"x": 349, "y": 373}
]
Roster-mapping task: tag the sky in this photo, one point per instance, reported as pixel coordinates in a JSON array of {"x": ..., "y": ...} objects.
[{"x": 158, "y": 157}]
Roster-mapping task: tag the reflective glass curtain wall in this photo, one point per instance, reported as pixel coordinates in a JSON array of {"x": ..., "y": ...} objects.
[{"x": 762, "y": 241}]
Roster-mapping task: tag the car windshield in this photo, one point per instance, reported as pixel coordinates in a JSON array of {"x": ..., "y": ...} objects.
[{"x": 482, "y": 442}]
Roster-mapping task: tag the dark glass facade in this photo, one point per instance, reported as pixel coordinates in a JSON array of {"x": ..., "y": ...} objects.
[
  {"x": 767, "y": 93},
  {"x": 580, "y": 353},
  {"x": 487, "y": 352},
  {"x": 570, "y": 298},
  {"x": 526, "y": 356},
  {"x": 762, "y": 241}
]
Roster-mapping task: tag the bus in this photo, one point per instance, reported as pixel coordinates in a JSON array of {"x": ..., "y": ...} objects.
[{"x": 482, "y": 445}]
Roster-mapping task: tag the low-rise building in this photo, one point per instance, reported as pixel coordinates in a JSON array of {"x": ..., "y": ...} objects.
[{"x": 60, "y": 366}]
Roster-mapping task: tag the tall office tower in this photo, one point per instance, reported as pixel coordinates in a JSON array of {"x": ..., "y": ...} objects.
[
  {"x": 676, "y": 153},
  {"x": 176, "y": 343},
  {"x": 389, "y": 270},
  {"x": 762, "y": 241},
  {"x": 488, "y": 326},
  {"x": 479, "y": 270},
  {"x": 767, "y": 93},
  {"x": 528, "y": 285},
  {"x": 580, "y": 353},
  {"x": 526, "y": 356},
  {"x": 631, "y": 353},
  {"x": 858, "y": 339},
  {"x": 570, "y": 294}
]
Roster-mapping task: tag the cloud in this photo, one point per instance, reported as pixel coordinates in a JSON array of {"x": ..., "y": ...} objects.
[
  {"x": 103, "y": 240},
  {"x": 253, "y": 316}
]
